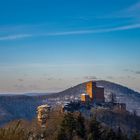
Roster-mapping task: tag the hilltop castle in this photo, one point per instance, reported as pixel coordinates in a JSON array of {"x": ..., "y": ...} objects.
[{"x": 93, "y": 93}]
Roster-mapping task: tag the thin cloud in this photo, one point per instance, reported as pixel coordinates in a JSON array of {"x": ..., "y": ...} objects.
[
  {"x": 110, "y": 77},
  {"x": 90, "y": 78},
  {"x": 79, "y": 32},
  {"x": 120, "y": 28},
  {"x": 132, "y": 71},
  {"x": 20, "y": 80},
  {"x": 134, "y": 8},
  {"x": 49, "y": 79},
  {"x": 137, "y": 72},
  {"x": 14, "y": 37},
  {"x": 132, "y": 11}
]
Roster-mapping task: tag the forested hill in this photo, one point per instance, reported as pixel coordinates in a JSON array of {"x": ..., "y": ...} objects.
[{"x": 24, "y": 107}]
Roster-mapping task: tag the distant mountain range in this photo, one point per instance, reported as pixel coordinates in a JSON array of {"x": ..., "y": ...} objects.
[{"x": 24, "y": 106}]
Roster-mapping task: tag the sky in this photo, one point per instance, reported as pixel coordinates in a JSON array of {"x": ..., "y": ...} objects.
[{"x": 51, "y": 45}]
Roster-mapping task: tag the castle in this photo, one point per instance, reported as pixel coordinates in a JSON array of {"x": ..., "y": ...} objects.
[{"x": 93, "y": 93}]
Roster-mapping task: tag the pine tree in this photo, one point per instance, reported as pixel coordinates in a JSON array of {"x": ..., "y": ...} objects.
[
  {"x": 80, "y": 127},
  {"x": 69, "y": 125},
  {"x": 136, "y": 136},
  {"x": 90, "y": 137},
  {"x": 94, "y": 130},
  {"x": 119, "y": 134},
  {"x": 111, "y": 135},
  {"x": 61, "y": 135}
]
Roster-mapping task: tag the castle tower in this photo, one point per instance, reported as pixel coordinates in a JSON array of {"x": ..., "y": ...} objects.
[
  {"x": 85, "y": 97},
  {"x": 95, "y": 93},
  {"x": 90, "y": 89}
]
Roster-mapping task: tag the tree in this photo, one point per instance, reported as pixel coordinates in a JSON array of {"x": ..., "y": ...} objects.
[
  {"x": 110, "y": 135},
  {"x": 68, "y": 126},
  {"x": 80, "y": 127},
  {"x": 61, "y": 135},
  {"x": 95, "y": 131},
  {"x": 113, "y": 98},
  {"x": 136, "y": 136}
]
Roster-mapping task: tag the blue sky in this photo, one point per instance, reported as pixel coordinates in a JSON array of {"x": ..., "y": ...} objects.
[{"x": 50, "y": 45}]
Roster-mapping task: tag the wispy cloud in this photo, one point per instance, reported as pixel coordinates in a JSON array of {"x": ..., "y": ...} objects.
[
  {"x": 78, "y": 32},
  {"x": 134, "y": 8},
  {"x": 120, "y": 28},
  {"x": 90, "y": 78},
  {"x": 133, "y": 11},
  {"x": 135, "y": 72},
  {"x": 20, "y": 80},
  {"x": 14, "y": 37},
  {"x": 129, "y": 13},
  {"x": 110, "y": 77}
]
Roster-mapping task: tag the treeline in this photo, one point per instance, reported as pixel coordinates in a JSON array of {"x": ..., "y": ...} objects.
[
  {"x": 75, "y": 127},
  {"x": 67, "y": 126}
]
